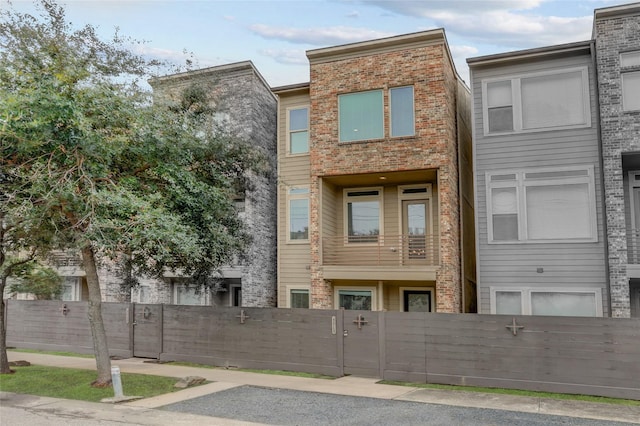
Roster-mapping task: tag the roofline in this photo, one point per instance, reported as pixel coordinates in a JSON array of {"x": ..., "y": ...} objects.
[
  {"x": 530, "y": 53},
  {"x": 235, "y": 66},
  {"x": 291, "y": 88},
  {"x": 369, "y": 45},
  {"x": 622, "y": 10}
]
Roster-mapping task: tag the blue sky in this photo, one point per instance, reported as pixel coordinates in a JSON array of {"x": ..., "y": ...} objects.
[{"x": 275, "y": 34}]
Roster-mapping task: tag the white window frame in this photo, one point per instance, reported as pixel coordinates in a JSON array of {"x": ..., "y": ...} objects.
[
  {"x": 520, "y": 183},
  {"x": 373, "y": 290},
  {"x": 622, "y": 84},
  {"x": 380, "y": 198},
  {"x": 290, "y": 197},
  {"x": 526, "y": 292},
  {"x": 517, "y": 101},
  {"x": 290, "y": 288},
  {"x": 418, "y": 196},
  {"x": 289, "y": 131},
  {"x": 432, "y": 290},
  {"x": 205, "y": 295}
]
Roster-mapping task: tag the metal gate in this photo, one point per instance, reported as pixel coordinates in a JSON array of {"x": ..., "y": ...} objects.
[
  {"x": 361, "y": 343},
  {"x": 147, "y": 330}
]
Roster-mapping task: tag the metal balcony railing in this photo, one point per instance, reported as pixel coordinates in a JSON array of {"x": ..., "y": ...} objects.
[
  {"x": 380, "y": 250},
  {"x": 633, "y": 246}
]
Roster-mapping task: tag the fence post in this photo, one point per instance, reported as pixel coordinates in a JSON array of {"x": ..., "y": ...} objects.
[{"x": 340, "y": 340}]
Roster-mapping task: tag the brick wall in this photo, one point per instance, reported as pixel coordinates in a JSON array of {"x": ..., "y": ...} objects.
[
  {"x": 434, "y": 146},
  {"x": 620, "y": 134}
]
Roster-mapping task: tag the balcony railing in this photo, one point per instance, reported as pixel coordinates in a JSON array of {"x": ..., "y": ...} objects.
[
  {"x": 633, "y": 246},
  {"x": 380, "y": 250}
]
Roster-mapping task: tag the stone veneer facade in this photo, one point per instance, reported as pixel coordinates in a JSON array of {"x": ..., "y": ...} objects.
[
  {"x": 421, "y": 60},
  {"x": 247, "y": 105},
  {"x": 616, "y": 30}
]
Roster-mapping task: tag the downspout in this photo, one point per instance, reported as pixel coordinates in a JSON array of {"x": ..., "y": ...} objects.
[{"x": 594, "y": 63}]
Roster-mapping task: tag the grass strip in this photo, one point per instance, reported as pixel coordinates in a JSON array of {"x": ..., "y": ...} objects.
[
  {"x": 517, "y": 392},
  {"x": 71, "y": 383}
]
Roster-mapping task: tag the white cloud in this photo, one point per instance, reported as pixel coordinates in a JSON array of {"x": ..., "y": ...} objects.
[
  {"x": 501, "y": 22},
  {"x": 353, "y": 14},
  {"x": 284, "y": 56},
  {"x": 318, "y": 36}
]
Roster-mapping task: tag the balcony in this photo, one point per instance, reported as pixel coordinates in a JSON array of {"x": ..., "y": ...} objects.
[
  {"x": 380, "y": 257},
  {"x": 633, "y": 246},
  {"x": 65, "y": 259},
  {"x": 382, "y": 250}
]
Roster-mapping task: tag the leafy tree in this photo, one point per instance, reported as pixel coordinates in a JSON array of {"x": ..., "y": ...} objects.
[
  {"x": 112, "y": 173},
  {"x": 41, "y": 281}
]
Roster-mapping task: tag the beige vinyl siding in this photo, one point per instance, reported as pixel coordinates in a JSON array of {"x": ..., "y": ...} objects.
[
  {"x": 294, "y": 258},
  {"x": 567, "y": 265}
]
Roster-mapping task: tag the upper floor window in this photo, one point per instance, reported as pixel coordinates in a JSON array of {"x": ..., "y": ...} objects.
[
  {"x": 541, "y": 101},
  {"x": 361, "y": 115},
  {"x": 630, "y": 80},
  {"x": 298, "y": 131},
  {"x": 402, "y": 112},
  {"x": 298, "y": 214},
  {"x": 541, "y": 205},
  {"x": 363, "y": 218}
]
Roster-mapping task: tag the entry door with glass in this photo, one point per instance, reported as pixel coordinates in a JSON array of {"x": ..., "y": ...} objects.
[{"x": 415, "y": 219}]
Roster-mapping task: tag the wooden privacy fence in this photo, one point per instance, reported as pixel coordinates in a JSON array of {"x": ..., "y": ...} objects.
[{"x": 596, "y": 356}]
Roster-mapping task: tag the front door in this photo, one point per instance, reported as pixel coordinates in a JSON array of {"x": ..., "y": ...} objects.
[{"x": 415, "y": 220}]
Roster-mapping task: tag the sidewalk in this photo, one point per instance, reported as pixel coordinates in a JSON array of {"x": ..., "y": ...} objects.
[{"x": 142, "y": 411}]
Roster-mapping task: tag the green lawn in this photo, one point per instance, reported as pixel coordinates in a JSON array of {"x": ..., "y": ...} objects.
[{"x": 72, "y": 383}]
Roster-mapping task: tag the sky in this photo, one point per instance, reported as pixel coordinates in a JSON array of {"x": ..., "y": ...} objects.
[{"x": 275, "y": 34}]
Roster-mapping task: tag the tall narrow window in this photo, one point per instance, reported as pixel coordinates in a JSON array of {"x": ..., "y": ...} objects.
[
  {"x": 360, "y": 116},
  {"x": 499, "y": 106},
  {"x": 298, "y": 130},
  {"x": 363, "y": 219},
  {"x": 402, "y": 112},
  {"x": 298, "y": 214},
  {"x": 631, "y": 91}
]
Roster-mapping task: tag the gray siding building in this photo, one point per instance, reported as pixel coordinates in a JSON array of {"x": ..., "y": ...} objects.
[
  {"x": 616, "y": 31},
  {"x": 539, "y": 217}
]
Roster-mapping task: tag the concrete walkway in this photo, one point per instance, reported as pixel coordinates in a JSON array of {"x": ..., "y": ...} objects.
[{"x": 143, "y": 411}]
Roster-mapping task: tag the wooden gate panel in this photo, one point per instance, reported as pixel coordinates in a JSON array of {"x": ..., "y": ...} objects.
[
  {"x": 147, "y": 330},
  {"x": 361, "y": 343}
]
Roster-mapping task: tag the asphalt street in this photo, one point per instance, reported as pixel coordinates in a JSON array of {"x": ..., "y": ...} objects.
[{"x": 288, "y": 407}]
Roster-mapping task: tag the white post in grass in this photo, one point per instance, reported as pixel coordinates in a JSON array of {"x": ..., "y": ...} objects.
[{"x": 117, "y": 382}]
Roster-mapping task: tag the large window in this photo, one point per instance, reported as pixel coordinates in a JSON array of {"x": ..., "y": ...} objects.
[
  {"x": 541, "y": 205},
  {"x": 363, "y": 215},
  {"x": 186, "y": 294},
  {"x": 361, "y": 299},
  {"x": 539, "y": 101},
  {"x": 361, "y": 114},
  {"x": 298, "y": 214},
  {"x": 545, "y": 301},
  {"x": 298, "y": 122}
]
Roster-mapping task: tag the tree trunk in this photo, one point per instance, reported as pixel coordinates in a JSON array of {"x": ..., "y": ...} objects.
[
  {"x": 100, "y": 348},
  {"x": 4, "y": 360}
]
